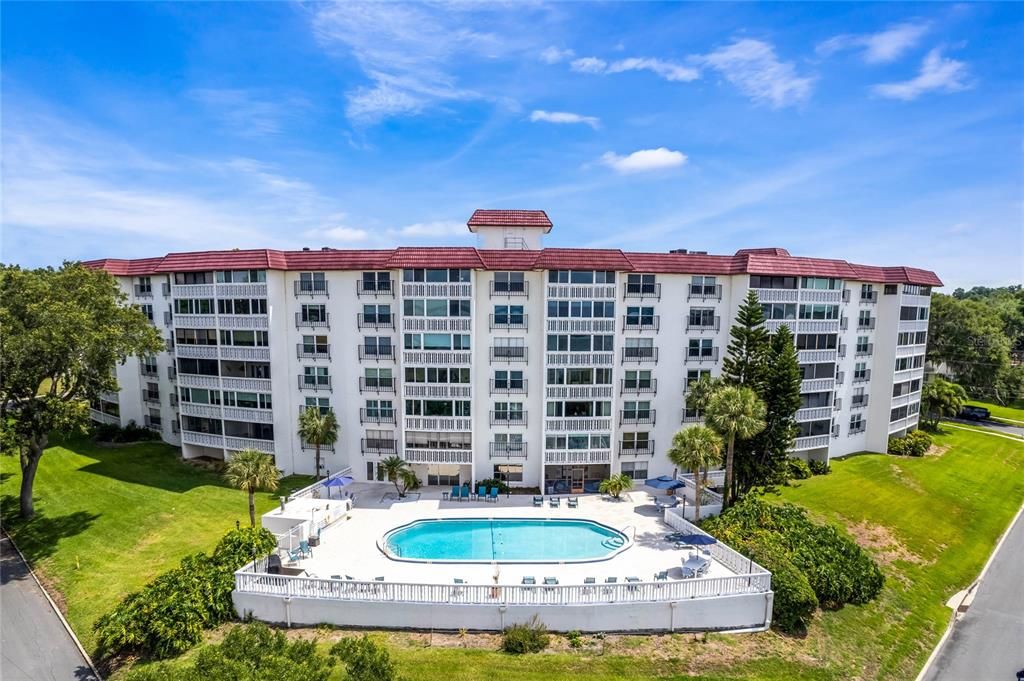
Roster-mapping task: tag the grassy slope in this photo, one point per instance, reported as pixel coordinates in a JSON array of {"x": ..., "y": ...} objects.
[{"x": 109, "y": 519}]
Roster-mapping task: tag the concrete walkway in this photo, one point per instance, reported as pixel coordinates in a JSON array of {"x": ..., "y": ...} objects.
[
  {"x": 987, "y": 642},
  {"x": 34, "y": 645}
]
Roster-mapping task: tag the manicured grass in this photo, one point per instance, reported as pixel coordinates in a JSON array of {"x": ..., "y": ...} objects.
[
  {"x": 109, "y": 519},
  {"x": 1013, "y": 412},
  {"x": 931, "y": 522}
]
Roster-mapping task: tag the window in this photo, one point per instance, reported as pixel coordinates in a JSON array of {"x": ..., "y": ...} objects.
[
  {"x": 636, "y": 410},
  {"x": 248, "y": 400},
  {"x": 816, "y": 341},
  {"x": 145, "y": 286},
  {"x": 704, "y": 286},
  {"x": 314, "y": 345},
  {"x": 765, "y": 281},
  {"x": 580, "y": 277},
  {"x": 321, "y": 403},
  {"x": 635, "y": 440},
  {"x": 508, "y": 315},
  {"x": 640, "y": 284},
  {"x": 193, "y": 278},
  {"x": 509, "y": 282},
  {"x": 867, "y": 292},
  {"x": 508, "y": 411},
  {"x": 376, "y": 281},
  {"x": 508, "y": 472},
  {"x": 436, "y": 276},
  {"x": 374, "y": 345},
  {"x": 864, "y": 320},
  {"x": 862, "y": 345},
  {"x": 818, "y": 399},
  {"x": 508, "y": 380},
  {"x": 822, "y": 370},
  {"x": 377, "y": 314},
  {"x": 200, "y": 396},
  {"x": 779, "y": 310},
  {"x": 700, "y": 347},
  {"x": 312, "y": 281},
  {"x": 825, "y": 283},
  {"x": 635, "y": 469},
  {"x": 694, "y": 375},
  {"x": 819, "y": 312},
  {"x": 891, "y": 289},
  {"x": 378, "y": 378},
  {"x": 380, "y": 409},
  {"x": 147, "y": 310},
  {"x": 637, "y": 380},
  {"x": 639, "y": 316},
  {"x": 811, "y": 428},
  {"x": 316, "y": 376},
  {"x": 193, "y": 306},
  {"x": 197, "y": 336},
  {"x": 241, "y": 276},
  {"x": 244, "y": 338},
  {"x": 856, "y": 423},
  {"x": 860, "y": 371},
  {"x": 313, "y": 313}
]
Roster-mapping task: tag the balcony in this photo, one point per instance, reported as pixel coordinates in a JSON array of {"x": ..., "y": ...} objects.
[
  {"x": 376, "y": 415},
  {"x": 508, "y": 353},
  {"x": 192, "y": 291},
  {"x": 377, "y": 445},
  {"x": 456, "y": 456},
  {"x": 238, "y": 444},
  {"x": 811, "y": 295},
  {"x": 310, "y": 288},
  {"x": 251, "y": 414},
  {"x": 508, "y": 450},
  {"x": 196, "y": 351},
  {"x": 636, "y": 448},
  {"x": 151, "y": 396},
  {"x": 419, "y": 289},
  {"x": 776, "y": 295},
  {"x": 192, "y": 437},
  {"x": 437, "y": 423},
  {"x": 198, "y": 381},
  {"x": 577, "y": 456},
  {"x": 864, "y": 350},
  {"x": 865, "y": 324},
  {"x": 326, "y": 447},
  {"x": 509, "y": 387},
  {"x": 375, "y": 288},
  {"x": 243, "y": 352},
  {"x": 149, "y": 370},
  {"x": 143, "y": 291},
  {"x": 317, "y": 383},
  {"x": 377, "y": 353},
  {"x": 443, "y": 391},
  {"x": 641, "y": 323},
  {"x": 376, "y": 385},
  {"x": 816, "y": 356},
  {"x": 581, "y": 291},
  {"x": 856, "y": 430},
  {"x": 509, "y": 322},
  {"x": 637, "y": 416},
  {"x": 637, "y": 386},
  {"x": 691, "y": 416},
  {"x": 813, "y": 413},
  {"x": 703, "y": 324},
  {"x": 103, "y": 417},
  {"x": 816, "y": 385},
  {"x": 314, "y": 322},
  {"x": 811, "y": 442},
  {"x": 695, "y": 292},
  {"x": 639, "y": 355},
  {"x": 246, "y": 383},
  {"x": 563, "y": 325},
  {"x": 508, "y": 418},
  {"x": 701, "y": 356},
  {"x": 205, "y": 411},
  {"x": 578, "y": 392},
  {"x": 375, "y": 321},
  {"x": 862, "y": 376},
  {"x": 438, "y": 357},
  {"x": 580, "y": 423},
  {"x": 638, "y": 290},
  {"x": 511, "y": 289}
]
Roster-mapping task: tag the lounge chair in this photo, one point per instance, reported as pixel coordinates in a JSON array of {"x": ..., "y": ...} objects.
[
  {"x": 304, "y": 548},
  {"x": 529, "y": 581},
  {"x": 538, "y": 501},
  {"x": 633, "y": 581},
  {"x": 573, "y": 502},
  {"x": 481, "y": 492},
  {"x": 335, "y": 576},
  {"x": 608, "y": 582},
  {"x": 550, "y": 581},
  {"x": 294, "y": 555},
  {"x": 661, "y": 576},
  {"x": 455, "y": 493},
  {"x": 555, "y": 502},
  {"x": 493, "y": 494},
  {"x": 588, "y": 585}
]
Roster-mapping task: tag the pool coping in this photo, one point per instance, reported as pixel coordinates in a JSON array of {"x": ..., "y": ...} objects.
[{"x": 382, "y": 542}]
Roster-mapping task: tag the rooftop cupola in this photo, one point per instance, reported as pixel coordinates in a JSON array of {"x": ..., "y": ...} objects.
[{"x": 509, "y": 229}]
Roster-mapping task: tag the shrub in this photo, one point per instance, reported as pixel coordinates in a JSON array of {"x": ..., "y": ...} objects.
[
  {"x": 169, "y": 614},
  {"x": 250, "y": 652},
  {"x": 110, "y": 432},
  {"x": 531, "y": 637},
  {"x": 503, "y": 488},
  {"x": 915, "y": 443},
  {"x": 798, "y": 469},
  {"x": 365, "y": 659},
  {"x": 819, "y": 467},
  {"x": 575, "y": 639},
  {"x": 836, "y": 568},
  {"x": 794, "y": 600}
]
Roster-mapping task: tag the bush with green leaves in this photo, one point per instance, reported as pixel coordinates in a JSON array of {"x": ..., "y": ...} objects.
[
  {"x": 794, "y": 599},
  {"x": 529, "y": 637},
  {"x": 365, "y": 659},
  {"x": 819, "y": 467},
  {"x": 503, "y": 488},
  {"x": 915, "y": 443},
  {"x": 797, "y": 469},
  {"x": 110, "y": 432},
  {"x": 250, "y": 652},
  {"x": 169, "y": 614},
  {"x": 836, "y": 568}
]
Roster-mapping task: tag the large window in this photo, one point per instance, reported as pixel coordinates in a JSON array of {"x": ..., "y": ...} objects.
[
  {"x": 580, "y": 277},
  {"x": 767, "y": 281},
  {"x": 436, "y": 276},
  {"x": 376, "y": 281},
  {"x": 819, "y": 312},
  {"x": 193, "y": 306},
  {"x": 509, "y": 282},
  {"x": 241, "y": 276},
  {"x": 581, "y": 308},
  {"x": 816, "y": 341},
  {"x": 826, "y": 283},
  {"x": 779, "y": 310}
]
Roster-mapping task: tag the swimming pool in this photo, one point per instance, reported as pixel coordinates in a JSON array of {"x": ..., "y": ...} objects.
[{"x": 530, "y": 540}]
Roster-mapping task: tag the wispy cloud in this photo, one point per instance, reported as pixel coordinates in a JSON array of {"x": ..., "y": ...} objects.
[
  {"x": 433, "y": 230},
  {"x": 245, "y": 114},
  {"x": 753, "y": 67},
  {"x": 938, "y": 74},
  {"x": 668, "y": 70},
  {"x": 540, "y": 115},
  {"x": 644, "y": 160},
  {"x": 554, "y": 55},
  {"x": 881, "y": 47}
]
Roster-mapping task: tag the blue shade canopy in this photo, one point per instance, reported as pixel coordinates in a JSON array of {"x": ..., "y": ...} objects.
[
  {"x": 663, "y": 482},
  {"x": 339, "y": 481},
  {"x": 695, "y": 539}
]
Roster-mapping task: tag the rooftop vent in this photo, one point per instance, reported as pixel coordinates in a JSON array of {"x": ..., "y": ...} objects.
[
  {"x": 680, "y": 251},
  {"x": 305, "y": 248},
  {"x": 325, "y": 248}
]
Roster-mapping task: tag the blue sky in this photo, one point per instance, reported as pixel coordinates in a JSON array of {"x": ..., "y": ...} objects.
[{"x": 880, "y": 133}]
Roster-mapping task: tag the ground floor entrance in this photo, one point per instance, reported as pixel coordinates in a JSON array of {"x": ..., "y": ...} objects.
[{"x": 575, "y": 478}]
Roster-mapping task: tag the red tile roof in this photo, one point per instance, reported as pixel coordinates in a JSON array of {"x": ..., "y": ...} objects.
[{"x": 509, "y": 218}]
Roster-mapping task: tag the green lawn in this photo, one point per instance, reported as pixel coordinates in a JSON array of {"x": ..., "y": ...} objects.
[
  {"x": 127, "y": 514},
  {"x": 1011, "y": 413},
  {"x": 109, "y": 519}
]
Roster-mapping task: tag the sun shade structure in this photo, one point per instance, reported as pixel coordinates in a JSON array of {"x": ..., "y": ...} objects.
[{"x": 663, "y": 482}]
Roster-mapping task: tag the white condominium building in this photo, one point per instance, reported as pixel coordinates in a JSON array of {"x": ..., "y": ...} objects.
[{"x": 548, "y": 367}]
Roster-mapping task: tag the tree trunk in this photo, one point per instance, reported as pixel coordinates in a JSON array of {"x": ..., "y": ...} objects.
[
  {"x": 696, "y": 504},
  {"x": 252, "y": 508},
  {"x": 29, "y": 465},
  {"x": 316, "y": 475},
  {"x": 727, "y": 496}
]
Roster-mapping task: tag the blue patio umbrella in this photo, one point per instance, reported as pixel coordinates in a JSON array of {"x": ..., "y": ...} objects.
[
  {"x": 663, "y": 482},
  {"x": 340, "y": 481},
  {"x": 694, "y": 539}
]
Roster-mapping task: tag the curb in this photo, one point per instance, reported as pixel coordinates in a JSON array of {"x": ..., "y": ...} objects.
[
  {"x": 967, "y": 592},
  {"x": 60, "y": 615}
]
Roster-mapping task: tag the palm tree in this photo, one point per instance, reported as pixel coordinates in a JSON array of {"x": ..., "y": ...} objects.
[
  {"x": 735, "y": 412},
  {"x": 616, "y": 485},
  {"x": 397, "y": 469},
  {"x": 251, "y": 470},
  {"x": 318, "y": 428},
  {"x": 695, "y": 449}
]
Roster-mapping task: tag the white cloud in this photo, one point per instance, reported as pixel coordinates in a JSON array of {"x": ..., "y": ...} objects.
[
  {"x": 540, "y": 115},
  {"x": 244, "y": 113},
  {"x": 553, "y": 55},
  {"x": 666, "y": 69},
  {"x": 433, "y": 230},
  {"x": 344, "y": 234},
  {"x": 938, "y": 74},
  {"x": 589, "y": 65},
  {"x": 644, "y": 160},
  {"x": 881, "y": 47},
  {"x": 752, "y": 66}
]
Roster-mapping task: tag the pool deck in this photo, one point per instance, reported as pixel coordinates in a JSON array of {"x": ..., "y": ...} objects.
[{"x": 350, "y": 547}]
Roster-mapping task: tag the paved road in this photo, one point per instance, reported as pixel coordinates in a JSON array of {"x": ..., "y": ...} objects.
[
  {"x": 34, "y": 646},
  {"x": 998, "y": 426},
  {"x": 987, "y": 644}
]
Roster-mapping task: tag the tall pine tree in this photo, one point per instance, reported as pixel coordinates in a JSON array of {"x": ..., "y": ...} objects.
[
  {"x": 746, "y": 364},
  {"x": 780, "y": 392}
]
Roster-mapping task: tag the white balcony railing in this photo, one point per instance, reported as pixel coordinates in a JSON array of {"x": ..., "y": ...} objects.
[
  {"x": 192, "y": 291},
  {"x": 563, "y": 325},
  {"x": 243, "y": 321},
  {"x": 438, "y": 423},
  {"x": 436, "y": 290},
  {"x": 246, "y": 290},
  {"x": 578, "y": 392},
  {"x": 572, "y": 423},
  {"x": 416, "y": 455},
  {"x": 580, "y": 456},
  {"x": 816, "y": 385},
  {"x": 816, "y": 356},
  {"x": 244, "y": 353},
  {"x": 248, "y": 414},
  {"x": 204, "y": 439},
  {"x": 239, "y": 443},
  {"x": 247, "y": 384},
  {"x": 584, "y": 291},
  {"x": 776, "y": 295},
  {"x": 810, "y": 442},
  {"x": 813, "y": 413},
  {"x": 206, "y": 411},
  {"x": 818, "y": 296},
  {"x": 198, "y": 381},
  {"x": 196, "y": 351},
  {"x": 580, "y": 359},
  {"x": 439, "y": 357}
]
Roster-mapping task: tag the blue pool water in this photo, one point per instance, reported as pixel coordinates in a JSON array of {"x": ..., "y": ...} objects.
[{"x": 503, "y": 539}]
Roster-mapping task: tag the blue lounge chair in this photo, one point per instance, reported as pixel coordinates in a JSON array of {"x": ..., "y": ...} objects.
[
  {"x": 304, "y": 548},
  {"x": 529, "y": 581},
  {"x": 493, "y": 494},
  {"x": 481, "y": 492},
  {"x": 538, "y": 501},
  {"x": 465, "y": 492},
  {"x": 550, "y": 581},
  {"x": 455, "y": 493}
]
